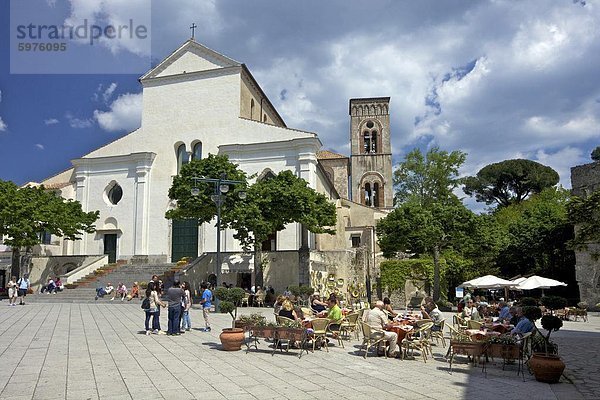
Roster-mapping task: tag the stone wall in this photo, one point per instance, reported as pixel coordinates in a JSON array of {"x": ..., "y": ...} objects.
[
  {"x": 585, "y": 179},
  {"x": 44, "y": 267}
]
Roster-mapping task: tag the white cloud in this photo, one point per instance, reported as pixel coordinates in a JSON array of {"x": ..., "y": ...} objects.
[
  {"x": 78, "y": 123},
  {"x": 125, "y": 113},
  {"x": 51, "y": 121},
  {"x": 40, "y": 146},
  {"x": 109, "y": 91}
]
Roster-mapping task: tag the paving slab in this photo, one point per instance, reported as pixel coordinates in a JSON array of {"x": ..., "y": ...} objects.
[{"x": 91, "y": 351}]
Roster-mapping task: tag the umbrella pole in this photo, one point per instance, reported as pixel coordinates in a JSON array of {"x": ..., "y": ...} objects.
[{"x": 505, "y": 293}]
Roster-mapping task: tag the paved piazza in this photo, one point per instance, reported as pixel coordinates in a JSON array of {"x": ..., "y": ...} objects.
[{"x": 92, "y": 351}]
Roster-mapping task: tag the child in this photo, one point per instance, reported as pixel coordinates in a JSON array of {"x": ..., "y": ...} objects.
[{"x": 187, "y": 304}]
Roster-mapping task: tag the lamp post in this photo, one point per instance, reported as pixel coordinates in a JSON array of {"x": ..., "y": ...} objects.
[{"x": 221, "y": 186}]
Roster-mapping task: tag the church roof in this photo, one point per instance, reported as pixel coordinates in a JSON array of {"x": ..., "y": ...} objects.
[
  {"x": 328, "y": 155},
  {"x": 58, "y": 185}
]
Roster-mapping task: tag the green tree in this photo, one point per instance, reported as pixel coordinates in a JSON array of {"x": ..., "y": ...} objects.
[
  {"x": 426, "y": 231},
  {"x": 271, "y": 204},
  {"x": 596, "y": 154},
  {"x": 510, "y": 181},
  {"x": 585, "y": 214},
  {"x": 201, "y": 207},
  {"x": 427, "y": 178},
  {"x": 26, "y": 213}
]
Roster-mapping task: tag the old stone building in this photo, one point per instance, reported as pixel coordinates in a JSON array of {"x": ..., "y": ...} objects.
[{"x": 585, "y": 179}]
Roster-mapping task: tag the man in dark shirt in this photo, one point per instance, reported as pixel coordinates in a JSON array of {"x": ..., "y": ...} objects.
[{"x": 174, "y": 297}]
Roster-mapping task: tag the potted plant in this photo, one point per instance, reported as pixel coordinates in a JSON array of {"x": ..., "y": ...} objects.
[
  {"x": 229, "y": 299},
  {"x": 554, "y": 302},
  {"x": 263, "y": 329},
  {"x": 528, "y": 302},
  {"x": 504, "y": 346},
  {"x": 545, "y": 362},
  {"x": 247, "y": 321}
]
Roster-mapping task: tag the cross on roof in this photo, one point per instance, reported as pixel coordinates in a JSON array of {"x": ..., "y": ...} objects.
[{"x": 193, "y": 28}]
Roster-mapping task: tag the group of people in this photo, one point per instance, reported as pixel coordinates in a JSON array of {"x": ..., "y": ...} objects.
[
  {"x": 18, "y": 289},
  {"x": 53, "y": 286},
  {"x": 121, "y": 291},
  {"x": 178, "y": 301}
]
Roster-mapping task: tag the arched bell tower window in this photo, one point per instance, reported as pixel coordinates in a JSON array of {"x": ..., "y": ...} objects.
[
  {"x": 197, "y": 151},
  {"x": 370, "y": 138},
  {"x": 372, "y": 194},
  {"x": 182, "y": 157},
  {"x": 375, "y": 195},
  {"x": 367, "y": 191}
]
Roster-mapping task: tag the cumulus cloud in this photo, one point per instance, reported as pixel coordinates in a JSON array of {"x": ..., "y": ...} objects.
[
  {"x": 125, "y": 113},
  {"x": 78, "y": 123},
  {"x": 51, "y": 121}
]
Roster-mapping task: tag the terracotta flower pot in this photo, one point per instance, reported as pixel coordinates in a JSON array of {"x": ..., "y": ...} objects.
[
  {"x": 232, "y": 339},
  {"x": 546, "y": 368}
]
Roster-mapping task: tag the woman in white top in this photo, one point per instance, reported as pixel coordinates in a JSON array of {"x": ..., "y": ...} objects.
[
  {"x": 155, "y": 303},
  {"x": 12, "y": 291}
]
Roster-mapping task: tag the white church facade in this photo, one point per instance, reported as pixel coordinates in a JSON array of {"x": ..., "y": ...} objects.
[{"x": 198, "y": 102}]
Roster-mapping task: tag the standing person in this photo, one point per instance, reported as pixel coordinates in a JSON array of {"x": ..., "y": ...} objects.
[
  {"x": 12, "y": 291},
  {"x": 152, "y": 311},
  {"x": 186, "y": 323},
  {"x": 158, "y": 288},
  {"x": 206, "y": 302},
  {"x": 174, "y": 297},
  {"x": 24, "y": 285}
]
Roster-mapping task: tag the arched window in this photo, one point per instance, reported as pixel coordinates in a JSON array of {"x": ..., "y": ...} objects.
[
  {"x": 367, "y": 142},
  {"x": 182, "y": 157},
  {"x": 115, "y": 194},
  {"x": 367, "y": 194},
  {"x": 375, "y": 195},
  {"x": 197, "y": 152},
  {"x": 252, "y": 109},
  {"x": 374, "y": 142}
]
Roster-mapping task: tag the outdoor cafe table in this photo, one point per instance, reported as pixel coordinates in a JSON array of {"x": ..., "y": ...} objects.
[
  {"x": 477, "y": 334},
  {"x": 401, "y": 329}
]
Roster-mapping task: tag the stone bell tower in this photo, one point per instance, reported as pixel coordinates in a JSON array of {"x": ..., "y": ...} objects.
[{"x": 371, "y": 152}]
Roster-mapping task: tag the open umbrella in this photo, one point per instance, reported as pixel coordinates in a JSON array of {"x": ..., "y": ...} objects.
[
  {"x": 487, "y": 282},
  {"x": 538, "y": 282}
]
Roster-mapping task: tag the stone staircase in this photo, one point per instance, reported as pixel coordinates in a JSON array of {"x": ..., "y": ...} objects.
[{"x": 85, "y": 289}]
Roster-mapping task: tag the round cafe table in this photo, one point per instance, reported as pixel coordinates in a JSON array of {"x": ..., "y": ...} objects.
[{"x": 400, "y": 329}]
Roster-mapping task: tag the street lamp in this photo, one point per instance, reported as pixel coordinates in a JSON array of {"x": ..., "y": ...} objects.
[{"x": 221, "y": 186}]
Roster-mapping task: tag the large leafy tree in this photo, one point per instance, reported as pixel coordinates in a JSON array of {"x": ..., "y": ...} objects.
[
  {"x": 269, "y": 205},
  {"x": 25, "y": 213},
  {"x": 427, "y": 178},
  {"x": 585, "y": 214},
  {"x": 426, "y": 231},
  {"x": 510, "y": 181},
  {"x": 274, "y": 202}
]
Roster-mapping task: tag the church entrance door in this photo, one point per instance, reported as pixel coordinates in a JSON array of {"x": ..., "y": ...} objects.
[
  {"x": 110, "y": 246},
  {"x": 184, "y": 239}
]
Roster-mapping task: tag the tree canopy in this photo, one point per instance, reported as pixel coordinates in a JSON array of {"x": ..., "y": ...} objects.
[
  {"x": 25, "y": 213},
  {"x": 510, "y": 181},
  {"x": 585, "y": 213},
  {"x": 596, "y": 154},
  {"x": 427, "y": 178}
]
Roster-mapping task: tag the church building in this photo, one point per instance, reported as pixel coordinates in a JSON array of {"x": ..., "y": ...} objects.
[{"x": 198, "y": 102}]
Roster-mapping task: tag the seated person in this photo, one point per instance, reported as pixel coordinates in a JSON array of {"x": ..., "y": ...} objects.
[
  {"x": 432, "y": 312},
  {"x": 278, "y": 303},
  {"x": 49, "y": 287},
  {"x": 470, "y": 312},
  {"x": 316, "y": 304},
  {"x": 121, "y": 291},
  {"x": 524, "y": 325},
  {"x": 59, "y": 285},
  {"x": 135, "y": 291},
  {"x": 514, "y": 320},
  {"x": 504, "y": 314},
  {"x": 377, "y": 320},
  {"x": 334, "y": 314},
  {"x": 287, "y": 310},
  {"x": 103, "y": 291},
  {"x": 387, "y": 308}
]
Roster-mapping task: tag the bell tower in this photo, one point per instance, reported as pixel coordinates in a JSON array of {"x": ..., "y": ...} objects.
[{"x": 371, "y": 152}]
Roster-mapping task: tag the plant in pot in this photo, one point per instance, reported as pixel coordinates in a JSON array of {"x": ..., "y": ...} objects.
[
  {"x": 504, "y": 346},
  {"x": 229, "y": 299},
  {"x": 545, "y": 362},
  {"x": 247, "y": 321},
  {"x": 554, "y": 302}
]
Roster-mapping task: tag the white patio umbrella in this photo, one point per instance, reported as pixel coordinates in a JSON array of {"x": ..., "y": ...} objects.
[
  {"x": 487, "y": 282},
  {"x": 538, "y": 282}
]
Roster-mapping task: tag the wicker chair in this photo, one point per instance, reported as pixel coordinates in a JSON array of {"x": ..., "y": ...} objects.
[
  {"x": 418, "y": 339},
  {"x": 439, "y": 335},
  {"x": 307, "y": 312},
  {"x": 259, "y": 300},
  {"x": 459, "y": 322},
  {"x": 319, "y": 326},
  {"x": 474, "y": 324},
  {"x": 350, "y": 325},
  {"x": 370, "y": 338},
  {"x": 245, "y": 300},
  {"x": 281, "y": 321}
]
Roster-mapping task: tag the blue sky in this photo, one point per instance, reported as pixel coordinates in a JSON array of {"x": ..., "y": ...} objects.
[{"x": 496, "y": 79}]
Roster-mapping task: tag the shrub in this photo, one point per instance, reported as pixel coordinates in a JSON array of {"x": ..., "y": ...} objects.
[
  {"x": 306, "y": 290},
  {"x": 532, "y": 313},
  {"x": 295, "y": 290},
  {"x": 554, "y": 302},
  {"x": 528, "y": 302},
  {"x": 143, "y": 285},
  {"x": 550, "y": 323},
  {"x": 229, "y": 300}
]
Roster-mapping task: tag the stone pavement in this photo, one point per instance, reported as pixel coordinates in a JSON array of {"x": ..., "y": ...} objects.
[{"x": 93, "y": 351}]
